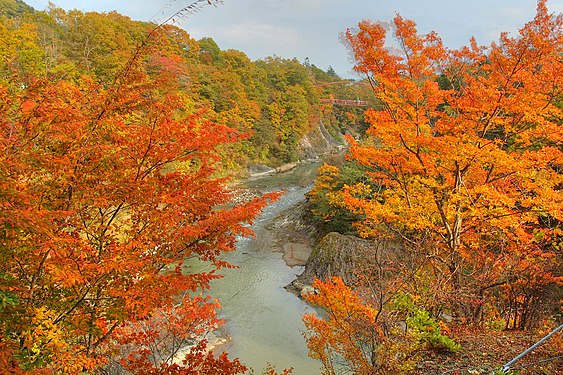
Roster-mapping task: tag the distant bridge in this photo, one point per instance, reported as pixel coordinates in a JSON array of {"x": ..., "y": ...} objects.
[
  {"x": 343, "y": 83},
  {"x": 349, "y": 102}
]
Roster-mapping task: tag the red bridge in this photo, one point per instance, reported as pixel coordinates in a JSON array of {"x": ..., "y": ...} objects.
[
  {"x": 363, "y": 83},
  {"x": 350, "y": 102},
  {"x": 355, "y": 103}
]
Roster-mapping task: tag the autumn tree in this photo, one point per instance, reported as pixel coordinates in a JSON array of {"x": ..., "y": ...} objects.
[
  {"x": 326, "y": 198},
  {"x": 14, "y": 7},
  {"x": 349, "y": 335},
  {"x": 464, "y": 168},
  {"x": 352, "y": 336},
  {"x": 467, "y": 151},
  {"x": 105, "y": 190}
]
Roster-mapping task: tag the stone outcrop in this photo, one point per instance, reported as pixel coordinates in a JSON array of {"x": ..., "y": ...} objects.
[
  {"x": 294, "y": 234},
  {"x": 311, "y": 146},
  {"x": 317, "y": 142},
  {"x": 335, "y": 255},
  {"x": 285, "y": 167},
  {"x": 258, "y": 170},
  {"x": 341, "y": 255}
]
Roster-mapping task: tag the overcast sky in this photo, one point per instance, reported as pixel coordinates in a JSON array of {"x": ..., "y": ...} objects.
[{"x": 311, "y": 28}]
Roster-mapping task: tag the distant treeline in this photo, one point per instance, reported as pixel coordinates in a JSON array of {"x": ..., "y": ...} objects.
[{"x": 276, "y": 101}]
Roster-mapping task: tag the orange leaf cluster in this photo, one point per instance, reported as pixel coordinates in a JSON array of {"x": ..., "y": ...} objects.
[
  {"x": 105, "y": 190},
  {"x": 467, "y": 149}
]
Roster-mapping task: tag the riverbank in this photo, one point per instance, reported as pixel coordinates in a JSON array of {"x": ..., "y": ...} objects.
[
  {"x": 262, "y": 320},
  {"x": 295, "y": 236}
]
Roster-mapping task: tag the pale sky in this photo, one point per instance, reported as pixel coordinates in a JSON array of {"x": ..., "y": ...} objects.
[{"x": 311, "y": 28}]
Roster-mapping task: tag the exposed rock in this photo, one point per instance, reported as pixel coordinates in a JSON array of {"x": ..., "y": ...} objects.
[
  {"x": 311, "y": 146},
  {"x": 258, "y": 170},
  {"x": 318, "y": 141},
  {"x": 294, "y": 234},
  {"x": 326, "y": 135},
  {"x": 335, "y": 255},
  {"x": 285, "y": 167},
  {"x": 296, "y": 254},
  {"x": 294, "y": 218},
  {"x": 308, "y": 289},
  {"x": 300, "y": 289},
  {"x": 341, "y": 255}
]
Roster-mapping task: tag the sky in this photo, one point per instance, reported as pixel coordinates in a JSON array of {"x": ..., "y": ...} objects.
[{"x": 311, "y": 28}]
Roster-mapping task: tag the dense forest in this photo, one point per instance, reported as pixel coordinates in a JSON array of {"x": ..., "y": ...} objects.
[
  {"x": 119, "y": 139},
  {"x": 275, "y": 102}
]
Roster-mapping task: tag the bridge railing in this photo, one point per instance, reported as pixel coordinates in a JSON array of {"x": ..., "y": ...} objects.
[{"x": 351, "y": 102}]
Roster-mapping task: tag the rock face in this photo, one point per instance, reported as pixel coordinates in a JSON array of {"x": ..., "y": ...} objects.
[
  {"x": 343, "y": 256},
  {"x": 311, "y": 146},
  {"x": 336, "y": 255},
  {"x": 316, "y": 142},
  {"x": 294, "y": 234},
  {"x": 296, "y": 254}
]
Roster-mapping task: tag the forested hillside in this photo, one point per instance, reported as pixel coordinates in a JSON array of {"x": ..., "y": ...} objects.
[
  {"x": 275, "y": 102},
  {"x": 113, "y": 135},
  {"x": 119, "y": 140}
]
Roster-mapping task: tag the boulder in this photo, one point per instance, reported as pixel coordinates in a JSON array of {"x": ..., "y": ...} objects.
[
  {"x": 336, "y": 255},
  {"x": 285, "y": 167},
  {"x": 258, "y": 170}
]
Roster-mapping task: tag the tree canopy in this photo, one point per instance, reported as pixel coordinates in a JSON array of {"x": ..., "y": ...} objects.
[
  {"x": 464, "y": 169},
  {"x": 108, "y": 181}
]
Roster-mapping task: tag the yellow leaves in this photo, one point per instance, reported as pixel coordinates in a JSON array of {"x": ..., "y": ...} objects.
[
  {"x": 326, "y": 192},
  {"x": 276, "y": 113},
  {"x": 466, "y": 157},
  {"x": 327, "y": 174},
  {"x": 357, "y": 190},
  {"x": 348, "y": 326},
  {"x": 465, "y": 150},
  {"x": 47, "y": 342},
  {"x": 19, "y": 48}
]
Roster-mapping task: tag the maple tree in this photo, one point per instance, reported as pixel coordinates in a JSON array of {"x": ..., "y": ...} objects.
[
  {"x": 349, "y": 330},
  {"x": 462, "y": 164},
  {"x": 362, "y": 338},
  {"x": 105, "y": 190},
  {"x": 468, "y": 151}
]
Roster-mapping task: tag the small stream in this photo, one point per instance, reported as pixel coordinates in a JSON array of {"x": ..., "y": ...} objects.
[{"x": 262, "y": 318}]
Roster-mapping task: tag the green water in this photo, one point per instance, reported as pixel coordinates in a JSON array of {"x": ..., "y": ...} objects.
[{"x": 262, "y": 318}]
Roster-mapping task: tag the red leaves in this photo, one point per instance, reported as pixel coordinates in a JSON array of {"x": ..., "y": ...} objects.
[
  {"x": 173, "y": 341},
  {"x": 105, "y": 191},
  {"x": 200, "y": 361}
]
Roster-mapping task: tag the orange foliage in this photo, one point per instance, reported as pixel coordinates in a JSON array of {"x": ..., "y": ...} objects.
[
  {"x": 105, "y": 191},
  {"x": 349, "y": 329},
  {"x": 468, "y": 150}
]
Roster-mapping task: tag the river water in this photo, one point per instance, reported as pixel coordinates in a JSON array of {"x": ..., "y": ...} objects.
[{"x": 262, "y": 318}]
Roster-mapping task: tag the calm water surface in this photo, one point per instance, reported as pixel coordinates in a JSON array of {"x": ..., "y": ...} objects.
[{"x": 262, "y": 318}]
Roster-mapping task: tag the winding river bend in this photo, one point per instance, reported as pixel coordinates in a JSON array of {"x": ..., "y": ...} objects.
[{"x": 263, "y": 320}]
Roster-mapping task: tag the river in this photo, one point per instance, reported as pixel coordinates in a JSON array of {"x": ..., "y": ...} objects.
[{"x": 262, "y": 319}]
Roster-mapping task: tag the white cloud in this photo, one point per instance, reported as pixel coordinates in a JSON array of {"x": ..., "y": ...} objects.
[
  {"x": 260, "y": 39},
  {"x": 310, "y": 28},
  {"x": 262, "y": 33}
]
